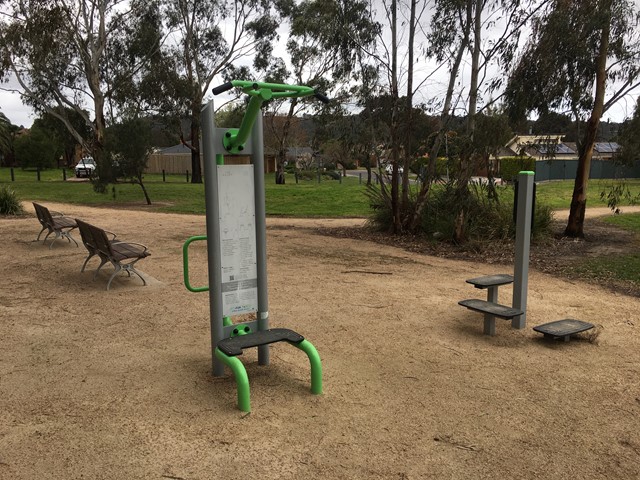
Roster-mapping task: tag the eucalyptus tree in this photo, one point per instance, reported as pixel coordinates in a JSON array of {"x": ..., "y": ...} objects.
[
  {"x": 629, "y": 138},
  {"x": 582, "y": 56},
  {"x": 484, "y": 35},
  {"x": 207, "y": 38},
  {"x": 325, "y": 37},
  {"x": 128, "y": 147},
  {"x": 60, "y": 134},
  {"x": 481, "y": 34},
  {"x": 6, "y": 137},
  {"x": 58, "y": 52}
]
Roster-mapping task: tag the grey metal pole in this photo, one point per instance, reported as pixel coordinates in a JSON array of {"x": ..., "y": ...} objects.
[
  {"x": 213, "y": 232},
  {"x": 523, "y": 242},
  {"x": 257, "y": 155}
]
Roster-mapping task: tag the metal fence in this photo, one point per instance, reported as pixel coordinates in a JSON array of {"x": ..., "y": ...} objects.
[{"x": 566, "y": 170}]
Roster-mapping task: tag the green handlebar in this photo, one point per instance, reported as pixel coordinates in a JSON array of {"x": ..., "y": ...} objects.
[
  {"x": 235, "y": 138},
  {"x": 185, "y": 263}
]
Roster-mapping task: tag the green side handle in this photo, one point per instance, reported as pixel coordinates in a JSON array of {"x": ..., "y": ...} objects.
[{"x": 185, "y": 263}]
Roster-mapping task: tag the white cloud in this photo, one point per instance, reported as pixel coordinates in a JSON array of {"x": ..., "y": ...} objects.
[{"x": 11, "y": 105}]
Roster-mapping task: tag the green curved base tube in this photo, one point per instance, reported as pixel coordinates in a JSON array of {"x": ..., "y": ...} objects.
[
  {"x": 242, "y": 380},
  {"x": 316, "y": 365}
]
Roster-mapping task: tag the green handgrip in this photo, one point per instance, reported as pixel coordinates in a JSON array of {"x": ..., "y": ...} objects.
[
  {"x": 249, "y": 87},
  {"x": 234, "y": 139},
  {"x": 185, "y": 262}
]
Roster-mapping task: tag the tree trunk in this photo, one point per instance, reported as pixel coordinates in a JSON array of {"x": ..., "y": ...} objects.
[
  {"x": 444, "y": 123},
  {"x": 144, "y": 190},
  {"x": 196, "y": 171},
  {"x": 466, "y": 167},
  {"x": 575, "y": 225},
  {"x": 409, "y": 106},
  {"x": 395, "y": 150},
  {"x": 282, "y": 152}
]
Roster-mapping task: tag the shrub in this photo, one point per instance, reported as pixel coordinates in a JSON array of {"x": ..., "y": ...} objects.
[
  {"x": 511, "y": 166},
  {"x": 486, "y": 219},
  {"x": 9, "y": 202},
  {"x": 332, "y": 174}
]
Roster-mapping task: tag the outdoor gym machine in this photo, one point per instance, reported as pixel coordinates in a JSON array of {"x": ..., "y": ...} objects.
[
  {"x": 236, "y": 239},
  {"x": 517, "y": 312}
]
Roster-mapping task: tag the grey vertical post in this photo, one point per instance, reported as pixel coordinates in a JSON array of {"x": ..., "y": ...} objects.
[
  {"x": 257, "y": 155},
  {"x": 523, "y": 242},
  {"x": 209, "y": 149},
  {"x": 490, "y": 320}
]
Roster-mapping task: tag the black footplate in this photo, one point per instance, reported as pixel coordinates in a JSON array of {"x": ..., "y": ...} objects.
[
  {"x": 233, "y": 346},
  {"x": 491, "y": 280},
  {"x": 494, "y": 309},
  {"x": 563, "y": 328}
]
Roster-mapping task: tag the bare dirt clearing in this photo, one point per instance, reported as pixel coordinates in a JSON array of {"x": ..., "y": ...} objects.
[{"x": 103, "y": 385}]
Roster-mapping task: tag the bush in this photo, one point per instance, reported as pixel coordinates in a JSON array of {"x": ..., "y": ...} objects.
[
  {"x": 9, "y": 202},
  {"x": 486, "y": 220},
  {"x": 35, "y": 150},
  {"x": 420, "y": 166},
  {"x": 511, "y": 166}
]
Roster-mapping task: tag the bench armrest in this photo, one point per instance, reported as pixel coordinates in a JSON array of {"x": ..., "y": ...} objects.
[
  {"x": 138, "y": 244},
  {"x": 113, "y": 235},
  {"x": 56, "y": 214}
]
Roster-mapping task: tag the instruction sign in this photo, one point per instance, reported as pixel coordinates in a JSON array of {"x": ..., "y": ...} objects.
[{"x": 236, "y": 198}]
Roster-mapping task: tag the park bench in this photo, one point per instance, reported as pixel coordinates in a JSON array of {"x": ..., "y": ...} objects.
[
  {"x": 54, "y": 222},
  {"x": 122, "y": 255},
  {"x": 87, "y": 240}
]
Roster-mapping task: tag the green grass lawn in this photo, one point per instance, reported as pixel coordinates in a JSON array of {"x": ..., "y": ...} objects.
[
  {"x": 616, "y": 267},
  {"x": 329, "y": 198},
  {"x": 629, "y": 221},
  {"x": 557, "y": 194}
]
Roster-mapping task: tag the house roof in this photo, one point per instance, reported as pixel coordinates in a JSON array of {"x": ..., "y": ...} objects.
[
  {"x": 557, "y": 149},
  {"x": 606, "y": 147},
  {"x": 176, "y": 149}
]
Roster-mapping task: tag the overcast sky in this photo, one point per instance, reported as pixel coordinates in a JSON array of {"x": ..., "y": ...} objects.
[{"x": 434, "y": 87}]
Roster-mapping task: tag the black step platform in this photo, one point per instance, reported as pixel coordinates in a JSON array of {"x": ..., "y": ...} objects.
[
  {"x": 233, "y": 346},
  {"x": 563, "y": 328},
  {"x": 491, "y": 280},
  {"x": 494, "y": 309}
]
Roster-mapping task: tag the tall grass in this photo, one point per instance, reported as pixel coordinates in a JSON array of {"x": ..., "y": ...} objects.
[{"x": 9, "y": 202}]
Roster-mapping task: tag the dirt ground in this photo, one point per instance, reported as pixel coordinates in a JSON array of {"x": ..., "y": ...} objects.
[{"x": 100, "y": 384}]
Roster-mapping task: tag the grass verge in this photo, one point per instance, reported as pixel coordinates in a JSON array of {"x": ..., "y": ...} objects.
[{"x": 615, "y": 268}]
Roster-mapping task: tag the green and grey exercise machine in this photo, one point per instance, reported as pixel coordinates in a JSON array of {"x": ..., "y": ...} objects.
[
  {"x": 524, "y": 208},
  {"x": 236, "y": 239}
]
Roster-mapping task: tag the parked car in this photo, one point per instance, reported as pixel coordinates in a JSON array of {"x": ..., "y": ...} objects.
[
  {"x": 85, "y": 167},
  {"x": 389, "y": 169}
]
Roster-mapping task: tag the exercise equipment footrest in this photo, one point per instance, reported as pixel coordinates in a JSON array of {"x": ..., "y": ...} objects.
[
  {"x": 233, "y": 346},
  {"x": 563, "y": 328},
  {"x": 494, "y": 309},
  {"x": 491, "y": 280}
]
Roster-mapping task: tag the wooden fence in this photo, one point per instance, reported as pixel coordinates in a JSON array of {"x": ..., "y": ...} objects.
[{"x": 181, "y": 163}]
